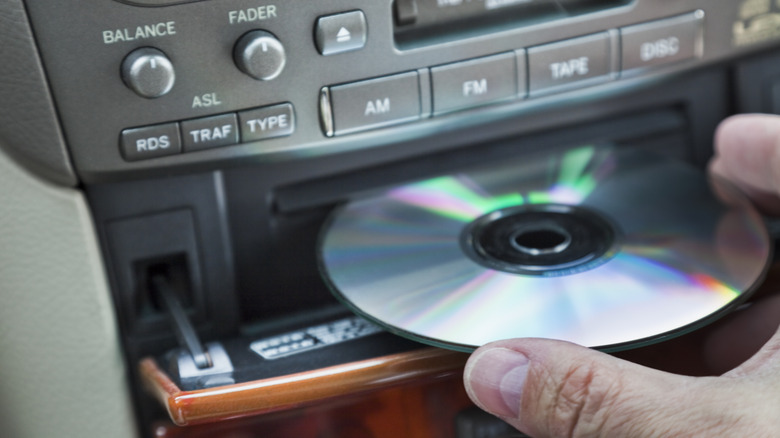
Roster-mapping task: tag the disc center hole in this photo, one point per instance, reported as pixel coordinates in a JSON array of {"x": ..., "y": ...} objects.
[{"x": 541, "y": 240}]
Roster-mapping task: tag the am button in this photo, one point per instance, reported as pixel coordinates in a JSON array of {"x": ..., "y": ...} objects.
[{"x": 375, "y": 103}]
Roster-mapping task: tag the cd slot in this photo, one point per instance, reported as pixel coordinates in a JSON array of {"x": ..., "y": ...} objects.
[
  {"x": 424, "y": 22},
  {"x": 634, "y": 129}
]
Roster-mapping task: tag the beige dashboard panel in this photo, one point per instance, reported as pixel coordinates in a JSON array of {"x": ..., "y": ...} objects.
[{"x": 61, "y": 367}]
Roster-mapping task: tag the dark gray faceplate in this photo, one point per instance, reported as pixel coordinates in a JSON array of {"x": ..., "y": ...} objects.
[{"x": 83, "y": 43}]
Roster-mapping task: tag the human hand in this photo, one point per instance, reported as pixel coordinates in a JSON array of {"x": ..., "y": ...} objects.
[{"x": 549, "y": 388}]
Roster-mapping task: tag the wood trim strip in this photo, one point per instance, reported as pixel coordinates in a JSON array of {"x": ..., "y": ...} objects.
[{"x": 284, "y": 392}]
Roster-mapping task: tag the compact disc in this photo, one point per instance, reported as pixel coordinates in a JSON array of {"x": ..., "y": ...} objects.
[{"x": 605, "y": 247}]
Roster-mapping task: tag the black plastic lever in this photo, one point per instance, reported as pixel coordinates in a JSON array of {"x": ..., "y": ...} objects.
[{"x": 185, "y": 332}]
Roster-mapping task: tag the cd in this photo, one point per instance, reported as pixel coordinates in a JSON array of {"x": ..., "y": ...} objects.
[{"x": 610, "y": 248}]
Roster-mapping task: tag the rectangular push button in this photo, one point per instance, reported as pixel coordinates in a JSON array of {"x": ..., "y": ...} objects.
[
  {"x": 267, "y": 122},
  {"x": 209, "y": 132},
  {"x": 375, "y": 103},
  {"x": 662, "y": 42},
  {"x": 150, "y": 142},
  {"x": 474, "y": 82},
  {"x": 578, "y": 61},
  {"x": 340, "y": 32}
]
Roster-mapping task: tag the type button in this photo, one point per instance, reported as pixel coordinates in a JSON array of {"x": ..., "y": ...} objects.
[{"x": 267, "y": 122}]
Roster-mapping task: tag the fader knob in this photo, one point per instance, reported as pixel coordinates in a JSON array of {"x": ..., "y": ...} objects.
[
  {"x": 260, "y": 55},
  {"x": 148, "y": 72}
]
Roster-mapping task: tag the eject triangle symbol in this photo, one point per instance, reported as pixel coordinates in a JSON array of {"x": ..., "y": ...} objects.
[{"x": 343, "y": 35}]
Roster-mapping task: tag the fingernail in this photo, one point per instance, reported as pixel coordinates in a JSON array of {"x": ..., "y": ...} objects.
[{"x": 494, "y": 380}]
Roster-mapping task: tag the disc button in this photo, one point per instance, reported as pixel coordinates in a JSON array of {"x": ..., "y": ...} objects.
[{"x": 662, "y": 42}]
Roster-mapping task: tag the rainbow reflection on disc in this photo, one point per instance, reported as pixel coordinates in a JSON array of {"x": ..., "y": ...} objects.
[{"x": 507, "y": 251}]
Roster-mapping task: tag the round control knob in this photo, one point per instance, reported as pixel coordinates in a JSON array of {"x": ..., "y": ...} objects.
[
  {"x": 260, "y": 55},
  {"x": 148, "y": 72}
]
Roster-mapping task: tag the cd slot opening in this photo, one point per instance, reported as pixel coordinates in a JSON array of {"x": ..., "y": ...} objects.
[
  {"x": 299, "y": 211},
  {"x": 639, "y": 129}
]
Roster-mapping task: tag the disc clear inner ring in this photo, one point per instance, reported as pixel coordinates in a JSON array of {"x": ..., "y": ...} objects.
[{"x": 543, "y": 239}]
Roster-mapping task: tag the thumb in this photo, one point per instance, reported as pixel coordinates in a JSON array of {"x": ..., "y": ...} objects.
[{"x": 551, "y": 388}]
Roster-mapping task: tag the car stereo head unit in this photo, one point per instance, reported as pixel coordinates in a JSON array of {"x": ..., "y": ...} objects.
[
  {"x": 148, "y": 85},
  {"x": 213, "y": 141}
]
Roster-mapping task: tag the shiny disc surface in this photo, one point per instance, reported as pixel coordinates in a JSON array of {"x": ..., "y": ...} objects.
[{"x": 685, "y": 249}]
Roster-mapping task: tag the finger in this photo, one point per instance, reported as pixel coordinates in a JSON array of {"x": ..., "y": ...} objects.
[
  {"x": 556, "y": 389},
  {"x": 742, "y": 335},
  {"x": 747, "y": 152},
  {"x": 763, "y": 366}
]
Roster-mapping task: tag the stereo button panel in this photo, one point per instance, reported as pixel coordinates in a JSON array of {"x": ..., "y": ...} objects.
[
  {"x": 539, "y": 70},
  {"x": 209, "y": 59},
  {"x": 207, "y": 132}
]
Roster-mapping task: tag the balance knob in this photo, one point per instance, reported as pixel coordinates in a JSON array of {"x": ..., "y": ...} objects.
[
  {"x": 260, "y": 55},
  {"x": 148, "y": 72}
]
